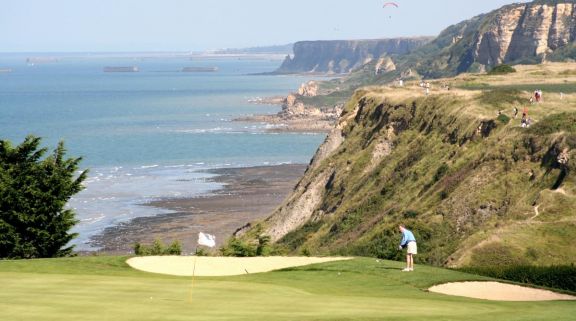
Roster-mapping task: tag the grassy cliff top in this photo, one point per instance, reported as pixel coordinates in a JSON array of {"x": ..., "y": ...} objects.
[{"x": 487, "y": 94}]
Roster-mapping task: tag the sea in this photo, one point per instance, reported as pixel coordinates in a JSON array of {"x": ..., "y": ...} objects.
[{"x": 150, "y": 134}]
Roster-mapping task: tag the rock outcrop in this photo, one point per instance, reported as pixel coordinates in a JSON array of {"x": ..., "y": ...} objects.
[
  {"x": 307, "y": 196},
  {"x": 309, "y": 89},
  {"x": 342, "y": 57},
  {"x": 385, "y": 64},
  {"x": 296, "y": 116},
  {"x": 526, "y": 31},
  {"x": 299, "y": 208}
]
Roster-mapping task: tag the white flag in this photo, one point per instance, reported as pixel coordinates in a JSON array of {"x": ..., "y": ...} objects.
[{"x": 206, "y": 240}]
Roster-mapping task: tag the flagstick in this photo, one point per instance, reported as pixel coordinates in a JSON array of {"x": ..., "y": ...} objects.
[{"x": 193, "y": 274}]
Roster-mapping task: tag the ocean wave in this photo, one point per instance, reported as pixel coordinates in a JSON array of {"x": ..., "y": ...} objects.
[
  {"x": 175, "y": 166},
  {"x": 147, "y": 166},
  {"x": 93, "y": 220},
  {"x": 206, "y": 130},
  {"x": 275, "y": 126}
]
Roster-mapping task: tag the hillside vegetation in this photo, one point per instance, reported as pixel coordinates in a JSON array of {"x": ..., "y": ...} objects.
[{"x": 454, "y": 166}]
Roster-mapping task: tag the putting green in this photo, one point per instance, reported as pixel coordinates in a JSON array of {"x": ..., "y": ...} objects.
[{"x": 106, "y": 288}]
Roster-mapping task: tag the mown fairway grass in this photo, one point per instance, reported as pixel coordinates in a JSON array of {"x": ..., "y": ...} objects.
[{"x": 104, "y": 288}]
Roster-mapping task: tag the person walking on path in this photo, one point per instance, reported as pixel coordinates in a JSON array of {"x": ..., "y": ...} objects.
[{"x": 409, "y": 241}]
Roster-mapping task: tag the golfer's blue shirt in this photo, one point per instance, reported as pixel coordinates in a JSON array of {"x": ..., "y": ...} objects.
[{"x": 407, "y": 237}]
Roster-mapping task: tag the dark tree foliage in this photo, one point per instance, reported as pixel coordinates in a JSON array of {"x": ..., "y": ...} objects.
[{"x": 34, "y": 220}]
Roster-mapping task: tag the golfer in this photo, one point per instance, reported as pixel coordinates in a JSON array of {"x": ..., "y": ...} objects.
[{"x": 408, "y": 240}]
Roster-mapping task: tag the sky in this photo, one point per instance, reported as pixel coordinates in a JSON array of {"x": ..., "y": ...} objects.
[{"x": 197, "y": 25}]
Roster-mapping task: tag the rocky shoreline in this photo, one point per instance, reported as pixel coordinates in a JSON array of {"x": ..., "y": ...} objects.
[
  {"x": 250, "y": 194},
  {"x": 296, "y": 116},
  {"x": 283, "y": 124}
]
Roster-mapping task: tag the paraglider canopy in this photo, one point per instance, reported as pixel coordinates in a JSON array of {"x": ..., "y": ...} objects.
[{"x": 390, "y": 4}]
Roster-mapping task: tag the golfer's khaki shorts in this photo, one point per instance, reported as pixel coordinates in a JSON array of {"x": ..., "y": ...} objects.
[{"x": 412, "y": 248}]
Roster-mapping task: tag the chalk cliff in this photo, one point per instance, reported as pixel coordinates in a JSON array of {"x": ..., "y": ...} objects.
[
  {"x": 532, "y": 32},
  {"x": 522, "y": 31},
  {"x": 341, "y": 57}
]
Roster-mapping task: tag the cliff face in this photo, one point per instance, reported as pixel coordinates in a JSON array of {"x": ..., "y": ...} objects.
[
  {"x": 341, "y": 57},
  {"x": 471, "y": 184},
  {"x": 526, "y": 31}
]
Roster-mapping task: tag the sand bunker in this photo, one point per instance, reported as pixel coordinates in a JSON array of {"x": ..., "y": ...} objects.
[
  {"x": 220, "y": 266},
  {"x": 498, "y": 292}
]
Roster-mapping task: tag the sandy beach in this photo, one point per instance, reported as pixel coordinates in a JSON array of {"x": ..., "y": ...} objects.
[{"x": 249, "y": 194}]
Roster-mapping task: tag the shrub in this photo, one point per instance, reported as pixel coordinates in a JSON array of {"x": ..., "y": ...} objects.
[
  {"x": 384, "y": 245},
  {"x": 503, "y": 119},
  {"x": 173, "y": 249},
  {"x": 238, "y": 248},
  {"x": 502, "y": 70},
  {"x": 410, "y": 214},
  {"x": 442, "y": 170},
  {"x": 443, "y": 195},
  {"x": 138, "y": 249},
  {"x": 201, "y": 252},
  {"x": 263, "y": 248},
  {"x": 158, "y": 248}
]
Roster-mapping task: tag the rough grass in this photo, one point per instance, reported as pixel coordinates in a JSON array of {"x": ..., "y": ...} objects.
[
  {"x": 567, "y": 88},
  {"x": 330, "y": 100},
  {"x": 104, "y": 288},
  {"x": 502, "y": 97},
  {"x": 563, "y": 122}
]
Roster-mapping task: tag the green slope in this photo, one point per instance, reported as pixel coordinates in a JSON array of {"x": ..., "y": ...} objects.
[
  {"x": 492, "y": 196},
  {"x": 361, "y": 289}
]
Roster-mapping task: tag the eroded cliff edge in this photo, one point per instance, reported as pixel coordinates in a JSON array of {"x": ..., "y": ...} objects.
[{"x": 455, "y": 166}]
